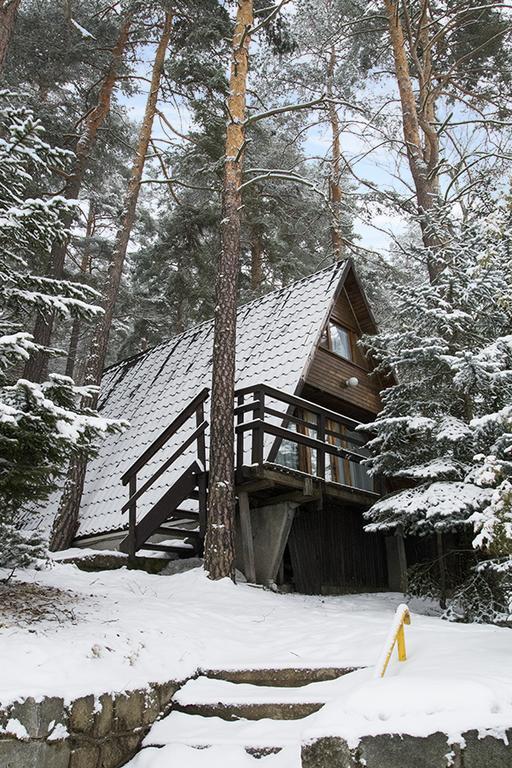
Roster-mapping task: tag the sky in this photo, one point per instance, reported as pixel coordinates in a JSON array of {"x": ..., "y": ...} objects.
[{"x": 374, "y": 229}]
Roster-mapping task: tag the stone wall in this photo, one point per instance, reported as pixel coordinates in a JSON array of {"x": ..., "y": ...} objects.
[
  {"x": 394, "y": 751},
  {"x": 92, "y": 732}
]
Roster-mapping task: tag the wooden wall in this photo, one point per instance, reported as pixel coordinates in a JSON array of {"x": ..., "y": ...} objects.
[
  {"x": 328, "y": 372},
  {"x": 331, "y": 553}
]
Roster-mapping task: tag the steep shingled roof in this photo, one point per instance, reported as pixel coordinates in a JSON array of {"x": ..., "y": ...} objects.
[{"x": 275, "y": 336}]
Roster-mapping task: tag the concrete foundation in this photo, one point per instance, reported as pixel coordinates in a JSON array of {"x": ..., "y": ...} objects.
[{"x": 262, "y": 536}]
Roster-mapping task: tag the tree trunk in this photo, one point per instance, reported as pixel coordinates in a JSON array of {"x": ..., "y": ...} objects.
[
  {"x": 67, "y": 519},
  {"x": 423, "y": 157},
  {"x": 442, "y": 570},
  {"x": 219, "y": 545},
  {"x": 335, "y": 196},
  {"x": 256, "y": 258},
  {"x": 85, "y": 267},
  {"x": 8, "y": 11},
  {"x": 36, "y": 366}
]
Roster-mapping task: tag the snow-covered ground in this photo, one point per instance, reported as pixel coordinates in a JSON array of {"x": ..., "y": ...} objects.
[{"x": 129, "y": 628}]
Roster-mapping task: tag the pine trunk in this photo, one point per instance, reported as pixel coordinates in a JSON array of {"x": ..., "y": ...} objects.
[
  {"x": 256, "y": 258},
  {"x": 335, "y": 196},
  {"x": 85, "y": 267},
  {"x": 36, "y": 366},
  {"x": 422, "y": 157},
  {"x": 219, "y": 545},
  {"x": 66, "y": 521},
  {"x": 8, "y": 11}
]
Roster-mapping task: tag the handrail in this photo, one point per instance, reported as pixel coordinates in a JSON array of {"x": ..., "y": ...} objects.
[
  {"x": 190, "y": 439},
  {"x": 297, "y": 437},
  {"x": 194, "y": 408},
  {"x": 313, "y": 429},
  {"x": 299, "y": 402},
  {"x": 396, "y": 635},
  {"x": 164, "y": 436}
]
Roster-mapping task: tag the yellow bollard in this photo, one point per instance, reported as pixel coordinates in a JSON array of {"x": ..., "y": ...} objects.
[{"x": 396, "y": 635}]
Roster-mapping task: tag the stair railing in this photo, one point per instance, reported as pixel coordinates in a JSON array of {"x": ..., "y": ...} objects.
[{"x": 194, "y": 408}]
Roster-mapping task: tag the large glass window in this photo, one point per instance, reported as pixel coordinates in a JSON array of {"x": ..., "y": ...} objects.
[{"x": 337, "y": 339}]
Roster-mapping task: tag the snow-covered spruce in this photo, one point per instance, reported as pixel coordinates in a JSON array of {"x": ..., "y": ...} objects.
[
  {"x": 444, "y": 434},
  {"x": 41, "y": 425}
]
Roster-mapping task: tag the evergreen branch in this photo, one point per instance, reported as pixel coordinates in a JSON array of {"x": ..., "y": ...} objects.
[
  {"x": 269, "y": 18},
  {"x": 288, "y": 108}
]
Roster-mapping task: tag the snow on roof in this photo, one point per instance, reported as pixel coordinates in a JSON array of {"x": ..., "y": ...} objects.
[{"x": 275, "y": 336}]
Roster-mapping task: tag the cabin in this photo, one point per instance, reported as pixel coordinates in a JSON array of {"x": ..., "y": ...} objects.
[{"x": 303, "y": 390}]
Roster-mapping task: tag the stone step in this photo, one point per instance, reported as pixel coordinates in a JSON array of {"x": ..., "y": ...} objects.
[
  {"x": 258, "y": 737},
  {"x": 219, "y": 698},
  {"x": 282, "y": 677}
]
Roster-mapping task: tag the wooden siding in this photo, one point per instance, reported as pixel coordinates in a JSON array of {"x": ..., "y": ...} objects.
[
  {"x": 328, "y": 372},
  {"x": 330, "y": 552}
]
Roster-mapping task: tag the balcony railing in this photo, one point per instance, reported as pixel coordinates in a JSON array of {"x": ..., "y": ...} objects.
[{"x": 289, "y": 431}]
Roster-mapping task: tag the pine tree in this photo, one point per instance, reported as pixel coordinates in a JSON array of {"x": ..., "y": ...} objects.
[
  {"x": 219, "y": 544},
  {"x": 41, "y": 425},
  {"x": 66, "y": 520},
  {"x": 446, "y": 57},
  {"x": 451, "y": 359},
  {"x": 8, "y": 11}
]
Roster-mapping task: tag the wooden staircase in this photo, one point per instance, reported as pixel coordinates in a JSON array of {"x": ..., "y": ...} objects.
[
  {"x": 176, "y": 522},
  {"x": 179, "y": 515}
]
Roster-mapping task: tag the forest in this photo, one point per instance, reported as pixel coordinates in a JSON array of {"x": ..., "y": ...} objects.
[
  {"x": 165, "y": 162},
  {"x": 255, "y": 383}
]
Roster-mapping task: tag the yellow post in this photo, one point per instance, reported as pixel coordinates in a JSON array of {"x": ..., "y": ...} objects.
[
  {"x": 397, "y": 636},
  {"x": 400, "y": 639}
]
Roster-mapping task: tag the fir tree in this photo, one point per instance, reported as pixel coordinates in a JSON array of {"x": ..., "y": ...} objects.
[
  {"x": 40, "y": 424},
  {"x": 444, "y": 422}
]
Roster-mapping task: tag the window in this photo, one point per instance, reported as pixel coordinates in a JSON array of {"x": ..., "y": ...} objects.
[{"x": 337, "y": 339}]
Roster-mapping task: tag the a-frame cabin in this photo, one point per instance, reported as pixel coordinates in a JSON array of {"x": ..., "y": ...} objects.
[{"x": 303, "y": 388}]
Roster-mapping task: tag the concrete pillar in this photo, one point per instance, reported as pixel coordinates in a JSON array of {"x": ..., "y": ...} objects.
[{"x": 267, "y": 529}]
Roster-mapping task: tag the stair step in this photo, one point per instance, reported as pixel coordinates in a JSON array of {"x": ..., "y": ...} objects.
[
  {"x": 256, "y": 736},
  {"x": 171, "y": 548},
  {"x": 181, "y": 755},
  {"x": 177, "y": 532},
  {"x": 184, "y": 514},
  {"x": 210, "y": 697},
  {"x": 283, "y": 677}
]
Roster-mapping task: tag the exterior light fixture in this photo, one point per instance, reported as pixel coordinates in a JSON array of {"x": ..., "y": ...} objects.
[{"x": 352, "y": 382}]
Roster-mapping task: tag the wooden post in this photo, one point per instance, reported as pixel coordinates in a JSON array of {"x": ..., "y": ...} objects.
[
  {"x": 132, "y": 521},
  {"x": 201, "y": 483},
  {"x": 247, "y": 539},
  {"x": 320, "y": 454},
  {"x": 240, "y": 436},
  {"x": 258, "y": 433}
]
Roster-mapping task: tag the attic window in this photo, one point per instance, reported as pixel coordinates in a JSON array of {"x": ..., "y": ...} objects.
[{"x": 337, "y": 339}]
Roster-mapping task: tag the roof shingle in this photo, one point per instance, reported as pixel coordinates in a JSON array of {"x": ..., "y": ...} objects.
[{"x": 275, "y": 336}]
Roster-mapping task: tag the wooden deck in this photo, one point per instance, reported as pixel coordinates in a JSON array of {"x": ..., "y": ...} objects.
[{"x": 273, "y": 482}]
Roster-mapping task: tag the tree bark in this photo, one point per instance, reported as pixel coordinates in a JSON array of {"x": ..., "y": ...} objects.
[
  {"x": 8, "y": 11},
  {"x": 219, "y": 545},
  {"x": 67, "y": 518},
  {"x": 418, "y": 119},
  {"x": 36, "y": 366},
  {"x": 85, "y": 267},
  {"x": 256, "y": 258},
  {"x": 335, "y": 196}
]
